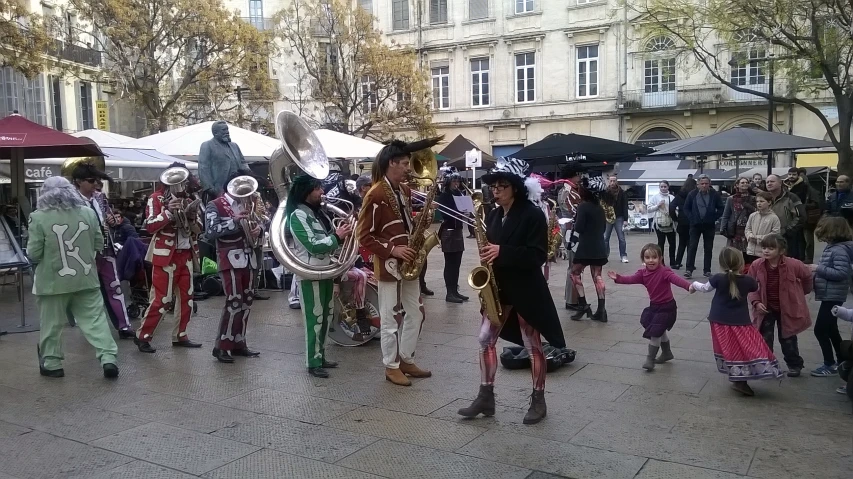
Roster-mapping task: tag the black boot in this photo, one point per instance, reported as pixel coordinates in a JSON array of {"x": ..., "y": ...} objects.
[
  {"x": 537, "y": 410},
  {"x": 460, "y": 295},
  {"x": 582, "y": 309},
  {"x": 484, "y": 403},
  {"x": 452, "y": 298},
  {"x": 426, "y": 291},
  {"x": 600, "y": 313}
]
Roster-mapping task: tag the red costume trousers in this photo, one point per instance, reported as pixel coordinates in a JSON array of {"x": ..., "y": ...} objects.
[
  {"x": 170, "y": 283},
  {"x": 237, "y": 285}
]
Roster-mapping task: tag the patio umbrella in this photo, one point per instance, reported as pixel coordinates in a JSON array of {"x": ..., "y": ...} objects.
[
  {"x": 186, "y": 142},
  {"x": 341, "y": 145},
  {"x": 21, "y": 138},
  {"x": 739, "y": 140},
  {"x": 455, "y": 152},
  {"x": 559, "y": 148}
]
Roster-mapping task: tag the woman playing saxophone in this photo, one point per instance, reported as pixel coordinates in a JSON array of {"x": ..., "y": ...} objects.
[{"x": 516, "y": 249}]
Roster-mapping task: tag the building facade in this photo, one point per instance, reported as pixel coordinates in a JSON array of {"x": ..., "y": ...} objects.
[{"x": 56, "y": 97}]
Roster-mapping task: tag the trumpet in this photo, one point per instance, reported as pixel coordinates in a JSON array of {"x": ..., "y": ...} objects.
[{"x": 245, "y": 188}]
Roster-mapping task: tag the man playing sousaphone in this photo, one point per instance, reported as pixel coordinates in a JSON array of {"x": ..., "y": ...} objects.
[
  {"x": 172, "y": 219},
  {"x": 384, "y": 225},
  {"x": 229, "y": 222},
  {"x": 315, "y": 239}
]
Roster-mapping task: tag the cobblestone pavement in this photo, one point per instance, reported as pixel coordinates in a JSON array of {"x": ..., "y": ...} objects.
[{"x": 179, "y": 414}]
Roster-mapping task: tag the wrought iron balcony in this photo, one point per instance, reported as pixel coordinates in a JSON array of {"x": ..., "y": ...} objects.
[
  {"x": 261, "y": 23},
  {"x": 75, "y": 53}
]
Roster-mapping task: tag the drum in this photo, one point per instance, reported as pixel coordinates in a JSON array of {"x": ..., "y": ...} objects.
[{"x": 344, "y": 318}]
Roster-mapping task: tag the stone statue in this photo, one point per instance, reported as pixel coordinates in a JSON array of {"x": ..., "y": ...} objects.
[{"x": 218, "y": 159}]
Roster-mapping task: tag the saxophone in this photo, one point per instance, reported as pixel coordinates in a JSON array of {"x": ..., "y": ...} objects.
[
  {"x": 554, "y": 235},
  {"x": 482, "y": 278},
  {"x": 421, "y": 240}
]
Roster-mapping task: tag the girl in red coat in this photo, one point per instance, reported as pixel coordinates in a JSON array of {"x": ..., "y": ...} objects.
[{"x": 781, "y": 277}]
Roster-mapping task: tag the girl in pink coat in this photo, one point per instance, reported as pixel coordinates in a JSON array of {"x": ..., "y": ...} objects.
[{"x": 780, "y": 301}]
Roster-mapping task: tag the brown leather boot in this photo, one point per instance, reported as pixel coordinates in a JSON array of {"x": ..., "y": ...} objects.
[
  {"x": 413, "y": 370},
  {"x": 484, "y": 403},
  {"x": 397, "y": 377},
  {"x": 537, "y": 410}
]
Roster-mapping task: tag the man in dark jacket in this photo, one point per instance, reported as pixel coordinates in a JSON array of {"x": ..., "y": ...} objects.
[
  {"x": 840, "y": 202},
  {"x": 812, "y": 201},
  {"x": 791, "y": 213},
  {"x": 703, "y": 206},
  {"x": 123, "y": 228},
  {"x": 614, "y": 197}
]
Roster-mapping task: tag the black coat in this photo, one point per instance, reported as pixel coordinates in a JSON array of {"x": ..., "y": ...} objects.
[
  {"x": 589, "y": 226},
  {"x": 523, "y": 242}
]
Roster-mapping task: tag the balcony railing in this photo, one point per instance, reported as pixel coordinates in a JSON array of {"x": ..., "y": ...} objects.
[
  {"x": 261, "y": 23},
  {"x": 75, "y": 53},
  {"x": 709, "y": 96}
]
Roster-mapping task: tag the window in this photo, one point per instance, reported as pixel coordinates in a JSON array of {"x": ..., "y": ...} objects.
[
  {"x": 56, "y": 102},
  {"x": 525, "y": 76},
  {"x": 587, "y": 71},
  {"x": 659, "y": 73},
  {"x": 523, "y": 6},
  {"x": 437, "y": 11},
  {"x": 478, "y": 9},
  {"x": 367, "y": 5},
  {"x": 256, "y": 14},
  {"x": 400, "y": 14},
  {"x": 22, "y": 94},
  {"x": 748, "y": 67},
  {"x": 480, "y": 82},
  {"x": 441, "y": 88},
  {"x": 84, "y": 96},
  {"x": 70, "y": 27},
  {"x": 370, "y": 101}
]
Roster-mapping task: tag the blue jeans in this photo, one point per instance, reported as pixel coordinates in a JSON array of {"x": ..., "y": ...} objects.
[{"x": 620, "y": 235}]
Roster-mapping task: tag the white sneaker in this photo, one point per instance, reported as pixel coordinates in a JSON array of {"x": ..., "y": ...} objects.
[{"x": 624, "y": 259}]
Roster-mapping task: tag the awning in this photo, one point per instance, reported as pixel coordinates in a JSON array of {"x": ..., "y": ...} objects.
[
  {"x": 674, "y": 171},
  {"x": 118, "y": 169}
]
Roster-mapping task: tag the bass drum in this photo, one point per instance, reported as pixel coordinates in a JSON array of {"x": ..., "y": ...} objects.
[{"x": 340, "y": 331}]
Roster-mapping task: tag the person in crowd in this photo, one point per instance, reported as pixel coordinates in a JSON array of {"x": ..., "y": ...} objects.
[
  {"x": 703, "y": 206},
  {"x": 123, "y": 227},
  {"x": 682, "y": 221},
  {"x": 791, "y": 213},
  {"x": 86, "y": 178},
  {"x": 65, "y": 237},
  {"x": 760, "y": 224},
  {"x": 779, "y": 303},
  {"x": 315, "y": 239},
  {"x": 591, "y": 252},
  {"x": 384, "y": 224},
  {"x": 757, "y": 184},
  {"x": 845, "y": 314},
  {"x": 659, "y": 317},
  {"x": 840, "y": 202},
  {"x": 739, "y": 207},
  {"x": 362, "y": 185},
  {"x": 517, "y": 249},
  {"x": 615, "y": 203},
  {"x": 10, "y": 213},
  {"x": 173, "y": 254},
  {"x": 659, "y": 206},
  {"x": 831, "y": 285},
  {"x": 739, "y": 350},
  {"x": 236, "y": 260},
  {"x": 568, "y": 200},
  {"x": 813, "y": 201},
  {"x": 451, "y": 235}
]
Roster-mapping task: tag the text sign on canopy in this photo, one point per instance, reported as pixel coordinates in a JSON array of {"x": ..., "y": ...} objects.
[{"x": 12, "y": 138}]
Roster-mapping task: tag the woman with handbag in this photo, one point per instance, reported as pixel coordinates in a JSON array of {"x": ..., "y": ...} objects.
[
  {"x": 450, "y": 234},
  {"x": 739, "y": 206},
  {"x": 663, "y": 223}
]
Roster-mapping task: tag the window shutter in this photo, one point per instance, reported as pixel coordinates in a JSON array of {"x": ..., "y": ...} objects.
[{"x": 78, "y": 106}]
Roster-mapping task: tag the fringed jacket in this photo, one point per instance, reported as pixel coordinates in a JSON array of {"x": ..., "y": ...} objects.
[{"x": 385, "y": 221}]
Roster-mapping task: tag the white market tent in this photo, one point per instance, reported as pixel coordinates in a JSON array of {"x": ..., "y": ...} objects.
[
  {"x": 341, "y": 145},
  {"x": 186, "y": 142}
]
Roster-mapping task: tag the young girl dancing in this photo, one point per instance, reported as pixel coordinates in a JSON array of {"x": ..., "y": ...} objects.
[
  {"x": 831, "y": 284},
  {"x": 781, "y": 277},
  {"x": 739, "y": 349},
  {"x": 659, "y": 317}
]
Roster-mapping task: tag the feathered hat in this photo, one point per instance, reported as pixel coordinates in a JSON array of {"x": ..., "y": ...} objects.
[{"x": 515, "y": 171}]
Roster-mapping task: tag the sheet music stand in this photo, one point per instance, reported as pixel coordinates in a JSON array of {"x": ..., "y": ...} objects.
[{"x": 13, "y": 258}]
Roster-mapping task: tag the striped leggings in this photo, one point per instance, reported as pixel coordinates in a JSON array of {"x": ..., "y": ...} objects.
[{"x": 489, "y": 356}]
